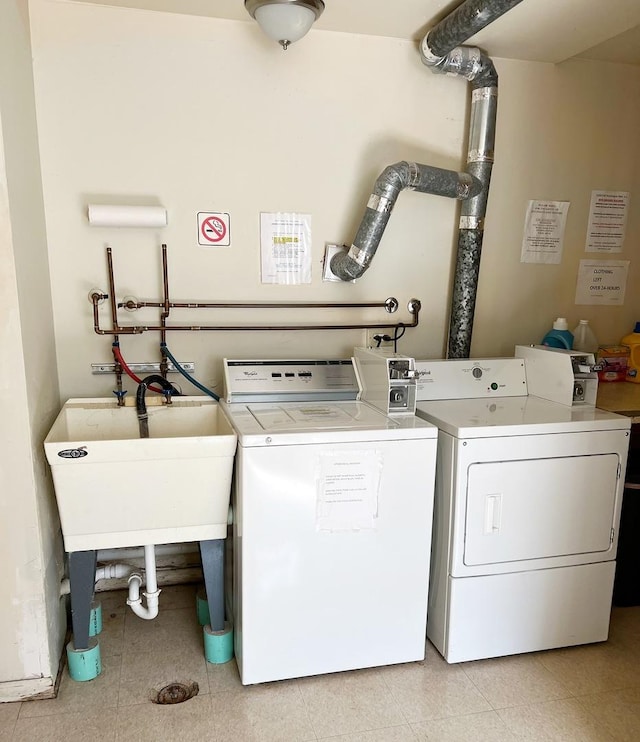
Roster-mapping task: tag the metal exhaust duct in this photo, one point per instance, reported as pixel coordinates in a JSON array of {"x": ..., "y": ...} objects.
[{"x": 441, "y": 51}]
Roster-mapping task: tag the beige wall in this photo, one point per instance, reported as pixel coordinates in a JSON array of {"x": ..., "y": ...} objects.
[
  {"x": 201, "y": 114},
  {"x": 32, "y": 624}
]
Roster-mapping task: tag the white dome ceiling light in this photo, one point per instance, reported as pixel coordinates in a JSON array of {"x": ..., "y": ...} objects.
[{"x": 285, "y": 21}]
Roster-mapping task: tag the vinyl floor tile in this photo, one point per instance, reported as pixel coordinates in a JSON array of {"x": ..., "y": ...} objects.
[
  {"x": 275, "y": 712},
  {"x": 554, "y": 721},
  {"x": 9, "y": 712},
  {"x": 514, "y": 681},
  {"x": 402, "y": 733},
  {"x": 349, "y": 702},
  {"x": 433, "y": 690},
  {"x": 97, "y": 726},
  {"x": 580, "y": 694},
  {"x": 80, "y": 697},
  {"x": 484, "y": 727},
  {"x": 617, "y": 711}
]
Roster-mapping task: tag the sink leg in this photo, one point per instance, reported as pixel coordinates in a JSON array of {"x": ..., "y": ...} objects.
[
  {"x": 212, "y": 555},
  {"x": 82, "y": 578}
]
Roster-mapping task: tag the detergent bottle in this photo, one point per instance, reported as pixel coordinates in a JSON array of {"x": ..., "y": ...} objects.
[
  {"x": 583, "y": 338},
  {"x": 560, "y": 336},
  {"x": 632, "y": 341}
]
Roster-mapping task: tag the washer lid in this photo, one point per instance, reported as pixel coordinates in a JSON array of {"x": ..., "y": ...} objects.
[
  {"x": 506, "y": 416},
  {"x": 316, "y": 416},
  {"x": 310, "y": 422}
]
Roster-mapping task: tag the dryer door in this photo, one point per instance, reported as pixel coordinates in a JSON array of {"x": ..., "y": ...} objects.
[{"x": 539, "y": 508}]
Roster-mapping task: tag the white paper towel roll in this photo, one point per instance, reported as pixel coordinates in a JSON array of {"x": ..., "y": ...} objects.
[{"x": 106, "y": 215}]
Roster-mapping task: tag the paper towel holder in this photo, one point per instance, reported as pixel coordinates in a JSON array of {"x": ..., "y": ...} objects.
[{"x": 123, "y": 215}]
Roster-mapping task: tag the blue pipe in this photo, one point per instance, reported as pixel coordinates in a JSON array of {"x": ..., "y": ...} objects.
[{"x": 166, "y": 352}]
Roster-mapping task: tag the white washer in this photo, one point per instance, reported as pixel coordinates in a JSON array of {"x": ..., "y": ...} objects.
[
  {"x": 526, "y": 514},
  {"x": 333, "y": 508}
]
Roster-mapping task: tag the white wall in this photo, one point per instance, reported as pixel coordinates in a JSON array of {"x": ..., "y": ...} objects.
[
  {"x": 202, "y": 114},
  {"x": 563, "y": 131},
  {"x": 32, "y": 624}
]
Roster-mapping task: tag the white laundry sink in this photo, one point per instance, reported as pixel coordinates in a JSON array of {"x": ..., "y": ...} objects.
[{"x": 115, "y": 489}]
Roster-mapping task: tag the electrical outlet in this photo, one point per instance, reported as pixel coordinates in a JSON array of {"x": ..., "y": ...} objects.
[{"x": 373, "y": 343}]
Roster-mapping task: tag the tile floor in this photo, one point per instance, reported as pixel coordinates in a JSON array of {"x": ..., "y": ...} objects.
[{"x": 583, "y": 694}]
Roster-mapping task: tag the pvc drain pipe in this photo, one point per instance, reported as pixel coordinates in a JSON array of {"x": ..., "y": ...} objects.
[
  {"x": 151, "y": 594},
  {"x": 108, "y": 572}
]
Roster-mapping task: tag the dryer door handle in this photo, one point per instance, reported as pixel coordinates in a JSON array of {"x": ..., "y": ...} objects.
[{"x": 492, "y": 513}]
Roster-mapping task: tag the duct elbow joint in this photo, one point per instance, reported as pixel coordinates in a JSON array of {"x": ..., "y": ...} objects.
[
  {"x": 345, "y": 267},
  {"x": 428, "y": 57},
  {"x": 462, "y": 61},
  {"x": 469, "y": 186}
]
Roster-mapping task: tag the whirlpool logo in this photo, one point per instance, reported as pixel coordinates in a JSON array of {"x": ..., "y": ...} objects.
[{"x": 73, "y": 453}]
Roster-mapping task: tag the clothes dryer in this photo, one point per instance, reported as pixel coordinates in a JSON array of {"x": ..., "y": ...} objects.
[
  {"x": 333, "y": 505},
  {"x": 526, "y": 514}
]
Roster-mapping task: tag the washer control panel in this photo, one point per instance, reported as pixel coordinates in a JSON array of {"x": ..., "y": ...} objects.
[{"x": 292, "y": 380}]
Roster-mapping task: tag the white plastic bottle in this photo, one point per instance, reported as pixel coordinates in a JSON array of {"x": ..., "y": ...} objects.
[{"x": 583, "y": 338}]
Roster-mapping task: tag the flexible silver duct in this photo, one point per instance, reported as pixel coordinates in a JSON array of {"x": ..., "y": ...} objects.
[
  {"x": 441, "y": 52},
  {"x": 394, "y": 179}
]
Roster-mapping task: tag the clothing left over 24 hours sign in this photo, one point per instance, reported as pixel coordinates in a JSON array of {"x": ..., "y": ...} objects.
[{"x": 214, "y": 229}]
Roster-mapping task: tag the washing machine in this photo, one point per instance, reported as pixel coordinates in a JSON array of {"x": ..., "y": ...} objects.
[
  {"x": 332, "y": 518},
  {"x": 526, "y": 514}
]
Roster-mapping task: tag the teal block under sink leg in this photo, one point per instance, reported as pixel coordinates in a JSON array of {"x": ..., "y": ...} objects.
[
  {"x": 218, "y": 645},
  {"x": 95, "y": 618},
  {"x": 202, "y": 607},
  {"x": 84, "y": 664}
]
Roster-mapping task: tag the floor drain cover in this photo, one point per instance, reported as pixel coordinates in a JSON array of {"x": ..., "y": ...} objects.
[{"x": 176, "y": 693}]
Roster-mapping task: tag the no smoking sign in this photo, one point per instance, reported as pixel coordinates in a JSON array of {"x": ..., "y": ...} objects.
[{"x": 213, "y": 229}]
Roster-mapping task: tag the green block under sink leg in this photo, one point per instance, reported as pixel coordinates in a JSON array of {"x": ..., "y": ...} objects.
[
  {"x": 84, "y": 664},
  {"x": 218, "y": 645},
  {"x": 95, "y": 618},
  {"x": 202, "y": 607}
]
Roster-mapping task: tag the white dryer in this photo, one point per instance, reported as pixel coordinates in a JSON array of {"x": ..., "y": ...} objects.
[
  {"x": 526, "y": 514},
  {"x": 333, "y": 508}
]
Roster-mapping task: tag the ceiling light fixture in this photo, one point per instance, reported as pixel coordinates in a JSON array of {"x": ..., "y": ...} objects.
[{"x": 285, "y": 21}]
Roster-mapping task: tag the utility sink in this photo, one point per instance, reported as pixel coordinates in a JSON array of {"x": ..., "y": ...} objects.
[{"x": 116, "y": 489}]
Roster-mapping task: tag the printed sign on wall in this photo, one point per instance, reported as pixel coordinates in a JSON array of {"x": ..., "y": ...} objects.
[
  {"x": 285, "y": 242},
  {"x": 607, "y": 221},
  {"x": 214, "y": 229},
  {"x": 543, "y": 236},
  {"x": 602, "y": 282}
]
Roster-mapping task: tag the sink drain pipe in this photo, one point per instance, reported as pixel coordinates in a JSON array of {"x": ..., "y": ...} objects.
[
  {"x": 152, "y": 592},
  {"x": 441, "y": 52},
  {"x": 116, "y": 571},
  {"x": 108, "y": 572}
]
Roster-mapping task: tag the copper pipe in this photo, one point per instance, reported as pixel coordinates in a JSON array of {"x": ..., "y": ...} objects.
[
  {"x": 130, "y": 304},
  {"x": 112, "y": 294},
  {"x": 390, "y": 304},
  {"x": 165, "y": 290},
  {"x": 164, "y": 363},
  {"x": 414, "y": 309}
]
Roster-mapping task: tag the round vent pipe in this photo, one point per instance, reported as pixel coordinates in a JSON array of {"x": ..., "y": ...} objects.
[{"x": 442, "y": 53}]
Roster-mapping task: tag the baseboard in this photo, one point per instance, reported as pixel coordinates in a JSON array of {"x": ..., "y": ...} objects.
[{"x": 35, "y": 689}]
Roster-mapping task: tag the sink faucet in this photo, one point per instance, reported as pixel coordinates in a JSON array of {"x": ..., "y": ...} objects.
[{"x": 141, "y": 406}]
